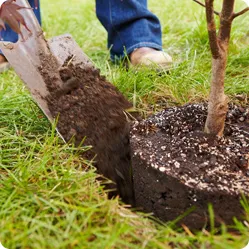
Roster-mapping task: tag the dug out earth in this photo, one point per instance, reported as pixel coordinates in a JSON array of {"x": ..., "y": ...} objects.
[{"x": 165, "y": 164}]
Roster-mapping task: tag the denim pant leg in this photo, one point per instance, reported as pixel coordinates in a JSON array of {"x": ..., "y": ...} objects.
[
  {"x": 10, "y": 35},
  {"x": 129, "y": 24}
]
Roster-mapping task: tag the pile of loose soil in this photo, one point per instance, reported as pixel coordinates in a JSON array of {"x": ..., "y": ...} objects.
[
  {"x": 91, "y": 108},
  {"x": 177, "y": 166}
]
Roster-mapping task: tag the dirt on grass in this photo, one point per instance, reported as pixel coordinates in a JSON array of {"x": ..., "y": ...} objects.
[
  {"x": 90, "y": 108},
  {"x": 177, "y": 166}
]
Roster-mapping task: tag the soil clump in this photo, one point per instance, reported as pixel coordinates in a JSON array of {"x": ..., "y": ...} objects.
[
  {"x": 176, "y": 166},
  {"x": 90, "y": 108}
]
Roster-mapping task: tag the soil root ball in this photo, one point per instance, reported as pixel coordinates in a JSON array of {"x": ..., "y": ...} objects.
[{"x": 177, "y": 166}]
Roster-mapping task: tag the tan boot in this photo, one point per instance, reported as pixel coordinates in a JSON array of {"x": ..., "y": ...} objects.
[
  {"x": 4, "y": 64},
  {"x": 150, "y": 57}
]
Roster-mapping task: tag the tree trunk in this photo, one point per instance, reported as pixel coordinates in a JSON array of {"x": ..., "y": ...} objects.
[{"x": 218, "y": 101}]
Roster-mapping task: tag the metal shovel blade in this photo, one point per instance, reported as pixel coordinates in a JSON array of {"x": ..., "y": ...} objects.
[{"x": 24, "y": 56}]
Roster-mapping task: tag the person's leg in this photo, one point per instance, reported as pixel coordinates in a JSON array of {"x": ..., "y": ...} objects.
[
  {"x": 10, "y": 35},
  {"x": 130, "y": 25}
]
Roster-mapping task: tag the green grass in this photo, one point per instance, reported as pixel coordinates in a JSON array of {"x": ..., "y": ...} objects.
[{"x": 49, "y": 195}]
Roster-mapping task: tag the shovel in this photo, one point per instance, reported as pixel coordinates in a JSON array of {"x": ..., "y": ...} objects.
[
  {"x": 36, "y": 60},
  {"x": 24, "y": 56}
]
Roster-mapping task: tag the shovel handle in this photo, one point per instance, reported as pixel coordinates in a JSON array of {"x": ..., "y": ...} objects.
[
  {"x": 30, "y": 42},
  {"x": 30, "y": 19}
]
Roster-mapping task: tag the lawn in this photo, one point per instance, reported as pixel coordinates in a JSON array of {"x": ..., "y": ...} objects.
[{"x": 49, "y": 195}]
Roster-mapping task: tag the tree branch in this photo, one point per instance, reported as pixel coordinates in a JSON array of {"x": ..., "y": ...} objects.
[
  {"x": 211, "y": 26},
  {"x": 203, "y": 5},
  {"x": 226, "y": 19},
  {"x": 240, "y": 12}
]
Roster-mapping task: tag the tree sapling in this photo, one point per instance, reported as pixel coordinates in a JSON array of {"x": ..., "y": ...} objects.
[{"x": 219, "y": 43}]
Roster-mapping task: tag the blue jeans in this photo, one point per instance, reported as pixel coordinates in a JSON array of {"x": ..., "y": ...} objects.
[
  {"x": 10, "y": 35},
  {"x": 129, "y": 25}
]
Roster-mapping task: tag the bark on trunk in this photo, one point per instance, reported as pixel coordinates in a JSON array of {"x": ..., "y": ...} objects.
[{"x": 218, "y": 101}]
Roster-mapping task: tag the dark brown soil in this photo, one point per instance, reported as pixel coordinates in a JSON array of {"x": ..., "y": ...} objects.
[
  {"x": 91, "y": 108},
  {"x": 176, "y": 166}
]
